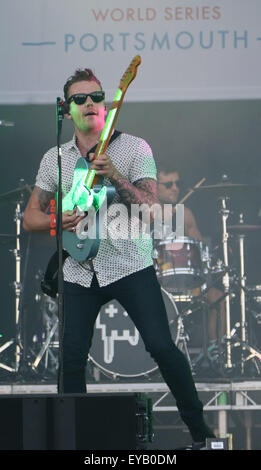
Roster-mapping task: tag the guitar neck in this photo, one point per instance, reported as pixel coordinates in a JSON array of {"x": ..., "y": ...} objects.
[
  {"x": 92, "y": 178},
  {"x": 127, "y": 78}
]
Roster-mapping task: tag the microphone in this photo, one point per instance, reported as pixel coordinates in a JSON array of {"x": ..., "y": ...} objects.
[{"x": 62, "y": 108}]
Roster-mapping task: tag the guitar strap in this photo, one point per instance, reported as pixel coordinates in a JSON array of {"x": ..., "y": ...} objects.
[{"x": 49, "y": 283}]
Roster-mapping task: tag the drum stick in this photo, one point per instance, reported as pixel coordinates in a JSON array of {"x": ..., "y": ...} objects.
[{"x": 192, "y": 191}]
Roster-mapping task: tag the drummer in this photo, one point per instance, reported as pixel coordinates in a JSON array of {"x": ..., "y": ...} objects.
[{"x": 168, "y": 193}]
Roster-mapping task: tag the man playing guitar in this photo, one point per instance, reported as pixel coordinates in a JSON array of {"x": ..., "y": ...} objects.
[{"x": 123, "y": 267}]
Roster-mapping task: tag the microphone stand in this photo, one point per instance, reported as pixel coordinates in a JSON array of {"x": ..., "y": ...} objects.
[{"x": 59, "y": 117}]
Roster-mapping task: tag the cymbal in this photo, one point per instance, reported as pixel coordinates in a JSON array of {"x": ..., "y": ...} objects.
[
  {"x": 16, "y": 194},
  {"x": 224, "y": 189},
  {"x": 243, "y": 228}
]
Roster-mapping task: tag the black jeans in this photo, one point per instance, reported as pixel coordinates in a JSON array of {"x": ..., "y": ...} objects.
[{"x": 140, "y": 295}]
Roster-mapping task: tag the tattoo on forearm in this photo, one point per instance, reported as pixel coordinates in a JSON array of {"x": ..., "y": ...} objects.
[
  {"x": 143, "y": 191},
  {"x": 44, "y": 198}
]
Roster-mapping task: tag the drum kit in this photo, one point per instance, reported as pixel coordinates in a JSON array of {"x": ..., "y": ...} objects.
[
  {"x": 186, "y": 270},
  {"x": 17, "y": 197},
  {"x": 186, "y": 264}
]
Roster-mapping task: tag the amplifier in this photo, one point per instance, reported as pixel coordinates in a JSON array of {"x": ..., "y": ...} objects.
[{"x": 80, "y": 422}]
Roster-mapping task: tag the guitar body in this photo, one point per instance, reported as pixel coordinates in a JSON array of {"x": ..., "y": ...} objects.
[
  {"x": 84, "y": 243},
  {"x": 82, "y": 249}
]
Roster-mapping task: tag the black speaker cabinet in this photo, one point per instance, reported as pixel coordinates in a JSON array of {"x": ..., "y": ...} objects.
[{"x": 81, "y": 422}]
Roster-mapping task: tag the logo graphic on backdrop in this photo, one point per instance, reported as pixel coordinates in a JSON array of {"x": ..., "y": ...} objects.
[{"x": 114, "y": 325}]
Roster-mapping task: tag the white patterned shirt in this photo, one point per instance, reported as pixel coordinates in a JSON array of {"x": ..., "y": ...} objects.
[{"x": 116, "y": 258}]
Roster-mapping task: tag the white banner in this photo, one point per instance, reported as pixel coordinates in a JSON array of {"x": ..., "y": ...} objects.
[{"x": 190, "y": 49}]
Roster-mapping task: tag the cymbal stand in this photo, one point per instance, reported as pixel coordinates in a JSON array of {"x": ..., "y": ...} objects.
[
  {"x": 225, "y": 280},
  {"x": 254, "y": 352},
  {"x": 48, "y": 308},
  {"x": 182, "y": 338},
  {"x": 241, "y": 237},
  {"x": 45, "y": 349},
  {"x": 2, "y": 348},
  {"x": 17, "y": 286},
  {"x": 204, "y": 362}
]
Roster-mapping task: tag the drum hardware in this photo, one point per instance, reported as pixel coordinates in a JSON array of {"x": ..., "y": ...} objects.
[
  {"x": 49, "y": 335},
  {"x": 182, "y": 264},
  {"x": 242, "y": 228},
  {"x": 205, "y": 362},
  {"x": 253, "y": 293},
  {"x": 16, "y": 196},
  {"x": 183, "y": 337},
  {"x": 169, "y": 276},
  {"x": 241, "y": 236},
  {"x": 201, "y": 362},
  {"x": 208, "y": 359},
  {"x": 226, "y": 282},
  {"x": 179, "y": 297},
  {"x": 218, "y": 268},
  {"x": 239, "y": 333},
  {"x": 183, "y": 343},
  {"x": 179, "y": 265},
  {"x": 3, "y": 348},
  {"x": 187, "y": 263},
  {"x": 238, "y": 337},
  {"x": 254, "y": 354},
  {"x": 223, "y": 191},
  {"x": 46, "y": 349},
  {"x": 17, "y": 288},
  {"x": 195, "y": 304},
  {"x": 227, "y": 189},
  {"x": 241, "y": 340},
  {"x": 223, "y": 267},
  {"x": 7, "y": 239}
]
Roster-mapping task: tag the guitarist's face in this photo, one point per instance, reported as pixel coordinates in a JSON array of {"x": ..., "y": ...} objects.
[{"x": 89, "y": 116}]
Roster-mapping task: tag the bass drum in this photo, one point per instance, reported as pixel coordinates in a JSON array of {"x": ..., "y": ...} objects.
[{"x": 117, "y": 348}]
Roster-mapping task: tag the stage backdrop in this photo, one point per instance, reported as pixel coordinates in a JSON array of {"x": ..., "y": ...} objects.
[{"x": 190, "y": 49}]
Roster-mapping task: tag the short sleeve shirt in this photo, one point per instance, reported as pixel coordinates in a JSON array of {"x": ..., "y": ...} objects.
[{"x": 121, "y": 255}]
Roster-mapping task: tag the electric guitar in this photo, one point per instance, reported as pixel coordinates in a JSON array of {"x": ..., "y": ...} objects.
[{"x": 87, "y": 193}]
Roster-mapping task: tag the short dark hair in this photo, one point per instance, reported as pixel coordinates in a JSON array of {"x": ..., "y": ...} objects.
[
  {"x": 166, "y": 168},
  {"x": 80, "y": 75}
]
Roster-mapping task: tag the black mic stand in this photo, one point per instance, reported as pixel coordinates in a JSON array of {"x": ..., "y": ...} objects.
[{"x": 59, "y": 117}]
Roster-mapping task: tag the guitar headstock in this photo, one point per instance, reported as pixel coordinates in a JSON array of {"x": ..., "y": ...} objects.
[{"x": 130, "y": 73}]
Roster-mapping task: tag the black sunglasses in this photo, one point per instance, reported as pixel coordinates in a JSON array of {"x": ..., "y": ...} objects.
[
  {"x": 169, "y": 184},
  {"x": 80, "y": 98}
]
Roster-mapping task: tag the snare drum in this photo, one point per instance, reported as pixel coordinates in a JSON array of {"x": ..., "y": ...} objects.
[{"x": 181, "y": 264}]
